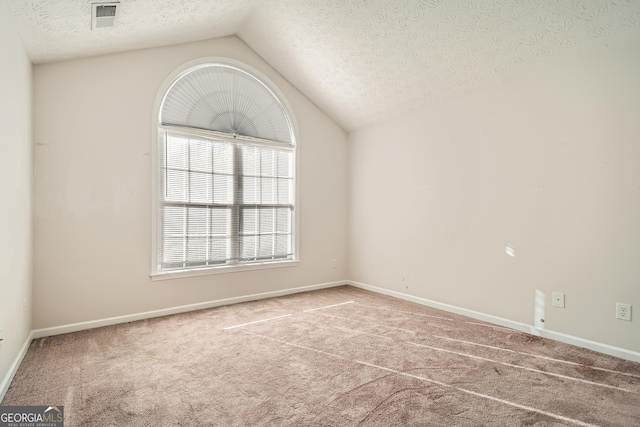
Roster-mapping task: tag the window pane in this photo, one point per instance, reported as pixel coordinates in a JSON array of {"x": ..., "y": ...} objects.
[
  {"x": 177, "y": 152},
  {"x": 267, "y": 220},
  {"x": 176, "y": 186},
  {"x": 250, "y": 161},
  {"x": 219, "y": 249},
  {"x": 250, "y": 189},
  {"x": 249, "y": 221},
  {"x": 285, "y": 163},
  {"x": 283, "y": 220},
  {"x": 268, "y": 189},
  {"x": 284, "y": 191},
  {"x": 282, "y": 244},
  {"x": 173, "y": 220},
  {"x": 223, "y": 189},
  {"x": 200, "y": 156},
  {"x": 197, "y": 249},
  {"x": 266, "y": 246},
  {"x": 222, "y": 158},
  {"x": 173, "y": 249},
  {"x": 198, "y": 223},
  {"x": 200, "y": 187},
  {"x": 268, "y": 162},
  {"x": 220, "y": 222},
  {"x": 248, "y": 247}
]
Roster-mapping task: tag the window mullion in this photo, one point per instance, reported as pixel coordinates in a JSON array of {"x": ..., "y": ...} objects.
[
  {"x": 185, "y": 246},
  {"x": 237, "y": 201}
]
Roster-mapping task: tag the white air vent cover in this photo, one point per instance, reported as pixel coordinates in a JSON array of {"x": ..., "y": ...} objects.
[{"x": 103, "y": 15}]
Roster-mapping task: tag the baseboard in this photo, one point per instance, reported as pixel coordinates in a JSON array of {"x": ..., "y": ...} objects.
[
  {"x": 6, "y": 381},
  {"x": 622, "y": 353},
  {"x": 557, "y": 336},
  {"x": 446, "y": 307},
  {"x": 74, "y": 327}
]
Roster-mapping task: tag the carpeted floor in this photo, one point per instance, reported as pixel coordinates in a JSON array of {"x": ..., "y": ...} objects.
[{"x": 336, "y": 357}]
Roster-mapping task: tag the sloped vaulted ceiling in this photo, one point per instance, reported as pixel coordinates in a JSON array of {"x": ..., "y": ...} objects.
[{"x": 361, "y": 61}]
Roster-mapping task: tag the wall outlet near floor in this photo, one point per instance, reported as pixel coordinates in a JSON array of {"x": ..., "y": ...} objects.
[
  {"x": 557, "y": 299},
  {"x": 623, "y": 311},
  {"x": 24, "y": 308},
  {"x": 334, "y": 263}
]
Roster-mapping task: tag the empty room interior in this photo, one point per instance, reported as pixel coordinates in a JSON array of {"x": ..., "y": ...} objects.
[{"x": 294, "y": 212}]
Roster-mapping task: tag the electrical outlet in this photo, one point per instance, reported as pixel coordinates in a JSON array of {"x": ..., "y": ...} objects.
[
  {"x": 557, "y": 299},
  {"x": 334, "y": 263},
  {"x": 24, "y": 308},
  {"x": 623, "y": 311}
]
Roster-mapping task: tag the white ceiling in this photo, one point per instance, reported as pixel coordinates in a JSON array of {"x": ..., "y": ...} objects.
[{"x": 361, "y": 61}]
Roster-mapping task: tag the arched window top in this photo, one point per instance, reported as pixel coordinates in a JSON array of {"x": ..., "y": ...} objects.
[{"x": 224, "y": 98}]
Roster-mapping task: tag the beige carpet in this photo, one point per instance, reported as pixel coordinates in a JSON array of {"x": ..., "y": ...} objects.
[{"x": 336, "y": 357}]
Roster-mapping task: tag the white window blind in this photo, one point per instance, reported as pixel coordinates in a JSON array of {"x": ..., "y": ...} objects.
[{"x": 226, "y": 172}]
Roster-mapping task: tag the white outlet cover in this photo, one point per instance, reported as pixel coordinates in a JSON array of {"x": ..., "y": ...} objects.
[
  {"x": 623, "y": 311},
  {"x": 557, "y": 299}
]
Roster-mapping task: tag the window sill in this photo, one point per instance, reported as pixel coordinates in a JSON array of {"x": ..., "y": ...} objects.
[{"x": 179, "y": 274}]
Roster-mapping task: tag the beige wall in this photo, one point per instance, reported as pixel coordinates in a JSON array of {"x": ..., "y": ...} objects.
[
  {"x": 93, "y": 190},
  {"x": 15, "y": 188},
  {"x": 548, "y": 163}
]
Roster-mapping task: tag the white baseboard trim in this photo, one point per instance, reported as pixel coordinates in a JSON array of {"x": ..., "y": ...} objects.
[
  {"x": 74, "y": 327},
  {"x": 446, "y": 307},
  {"x": 622, "y": 353},
  {"x": 6, "y": 381},
  {"x": 557, "y": 336}
]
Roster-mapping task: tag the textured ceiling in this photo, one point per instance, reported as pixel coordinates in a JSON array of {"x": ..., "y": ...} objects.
[
  {"x": 61, "y": 29},
  {"x": 361, "y": 61}
]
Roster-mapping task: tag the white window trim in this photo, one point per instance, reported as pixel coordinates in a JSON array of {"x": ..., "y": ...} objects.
[{"x": 176, "y": 274}]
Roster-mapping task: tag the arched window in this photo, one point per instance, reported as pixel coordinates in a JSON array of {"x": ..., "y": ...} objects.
[{"x": 225, "y": 164}]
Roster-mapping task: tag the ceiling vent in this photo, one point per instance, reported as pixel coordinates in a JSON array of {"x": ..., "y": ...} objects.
[{"x": 103, "y": 15}]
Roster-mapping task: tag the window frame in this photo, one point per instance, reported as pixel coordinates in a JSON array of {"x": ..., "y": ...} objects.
[{"x": 156, "y": 273}]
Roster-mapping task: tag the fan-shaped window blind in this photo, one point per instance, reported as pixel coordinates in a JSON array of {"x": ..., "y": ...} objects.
[
  {"x": 226, "y": 99},
  {"x": 226, "y": 170}
]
